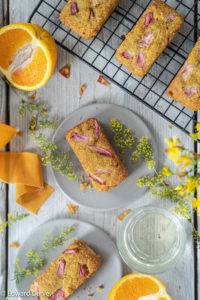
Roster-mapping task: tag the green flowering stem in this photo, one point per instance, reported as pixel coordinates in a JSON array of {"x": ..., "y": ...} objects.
[
  {"x": 37, "y": 108},
  {"x": 60, "y": 162},
  {"x": 144, "y": 150},
  {"x": 34, "y": 261},
  {"x": 123, "y": 136},
  {"x": 34, "y": 264},
  {"x": 59, "y": 240},
  {"x": 11, "y": 219},
  {"x": 39, "y": 122},
  {"x": 44, "y": 143},
  {"x": 158, "y": 186}
]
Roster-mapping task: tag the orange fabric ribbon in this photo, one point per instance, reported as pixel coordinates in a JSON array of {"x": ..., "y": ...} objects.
[{"x": 25, "y": 170}]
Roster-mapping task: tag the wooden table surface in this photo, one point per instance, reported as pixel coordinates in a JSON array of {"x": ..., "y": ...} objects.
[{"x": 63, "y": 97}]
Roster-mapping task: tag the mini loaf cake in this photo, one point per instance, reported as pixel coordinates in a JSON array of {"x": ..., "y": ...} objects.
[
  {"x": 149, "y": 37},
  {"x": 87, "y": 17},
  {"x": 96, "y": 155},
  {"x": 67, "y": 273},
  {"x": 185, "y": 87}
]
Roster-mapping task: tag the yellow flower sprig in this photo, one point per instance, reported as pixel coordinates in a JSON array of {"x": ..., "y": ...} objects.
[
  {"x": 34, "y": 264},
  {"x": 186, "y": 170},
  {"x": 159, "y": 186},
  {"x": 187, "y": 163},
  {"x": 196, "y": 135},
  {"x": 38, "y": 125},
  {"x": 36, "y": 260},
  {"x": 196, "y": 205},
  {"x": 174, "y": 149},
  {"x": 123, "y": 136},
  {"x": 189, "y": 187},
  {"x": 144, "y": 150},
  {"x": 181, "y": 157},
  {"x": 11, "y": 219}
]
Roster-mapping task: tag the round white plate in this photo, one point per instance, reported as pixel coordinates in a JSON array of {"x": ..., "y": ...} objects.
[
  {"x": 108, "y": 274},
  {"x": 127, "y": 191}
]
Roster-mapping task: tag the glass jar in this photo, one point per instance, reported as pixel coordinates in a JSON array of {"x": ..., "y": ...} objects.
[{"x": 151, "y": 239}]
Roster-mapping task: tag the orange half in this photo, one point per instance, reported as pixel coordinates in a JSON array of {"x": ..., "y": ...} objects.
[
  {"x": 139, "y": 287},
  {"x": 28, "y": 55}
]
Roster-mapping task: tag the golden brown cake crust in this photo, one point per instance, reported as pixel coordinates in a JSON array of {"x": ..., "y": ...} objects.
[
  {"x": 185, "y": 87},
  {"x": 105, "y": 170},
  {"x": 87, "y": 17},
  {"x": 149, "y": 37},
  {"x": 79, "y": 265}
]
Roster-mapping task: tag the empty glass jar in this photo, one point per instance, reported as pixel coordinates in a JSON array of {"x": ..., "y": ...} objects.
[{"x": 151, "y": 239}]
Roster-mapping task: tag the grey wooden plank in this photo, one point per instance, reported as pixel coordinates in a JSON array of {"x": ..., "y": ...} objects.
[
  {"x": 2, "y": 186},
  {"x": 63, "y": 97}
]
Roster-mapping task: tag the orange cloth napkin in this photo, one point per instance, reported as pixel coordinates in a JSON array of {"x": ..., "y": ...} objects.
[{"x": 25, "y": 170}]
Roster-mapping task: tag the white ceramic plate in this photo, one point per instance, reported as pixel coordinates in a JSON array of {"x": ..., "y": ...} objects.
[
  {"x": 127, "y": 191},
  {"x": 109, "y": 273}
]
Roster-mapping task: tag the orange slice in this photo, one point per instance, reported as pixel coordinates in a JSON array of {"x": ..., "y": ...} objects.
[
  {"x": 139, "y": 287},
  {"x": 28, "y": 55}
]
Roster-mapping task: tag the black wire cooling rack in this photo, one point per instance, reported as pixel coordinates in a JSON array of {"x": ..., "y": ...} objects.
[{"x": 99, "y": 52}]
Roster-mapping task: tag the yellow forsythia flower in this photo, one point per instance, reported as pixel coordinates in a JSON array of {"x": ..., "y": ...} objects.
[
  {"x": 180, "y": 189},
  {"x": 189, "y": 187},
  {"x": 196, "y": 205},
  {"x": 166, "y": 171},
  {"x": 196, "y": 135},
  {"x": 192, "y": 184},
  {"x": 172, "y": 142},
  {"x": 174, "y": 149},
  {"x": 185, "y": 160}
]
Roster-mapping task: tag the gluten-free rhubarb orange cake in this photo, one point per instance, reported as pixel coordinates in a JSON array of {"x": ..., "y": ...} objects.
[
  {"x": 87, "y": 17},
  {"x": 149, "y": 37},
  {"x": 185, "y": 87},
  {"x": 96, "y": 155},
  {"x": 67, "y": 273}
]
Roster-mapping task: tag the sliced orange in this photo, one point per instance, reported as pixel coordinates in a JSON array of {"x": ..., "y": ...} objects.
[
  {"x": 28, "y": 55},
  {"x": 139, "y": 287}
]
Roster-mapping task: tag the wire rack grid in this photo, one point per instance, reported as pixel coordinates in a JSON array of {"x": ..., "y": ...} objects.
[{"x": 100, "y": 52}]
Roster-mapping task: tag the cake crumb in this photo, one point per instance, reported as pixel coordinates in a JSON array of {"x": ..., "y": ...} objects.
[
  {"x": 72, "y": 208},
  {"x": 90, "y": 293},
  {"x": 84, "y": 185},
  {"x": 65, "y": 71},
  {"x": 170, "y": 126},
  {"x": 83, "y": 87},
  {"x": 125, "y": 213},
  {"x": 15, "y": 245},
  {"x": 103, "y": 80},
  {"x": 33, "y": 95},
  {"x": 19, "y": 133},
  {"x": 100, "y": 288}
]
